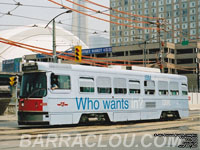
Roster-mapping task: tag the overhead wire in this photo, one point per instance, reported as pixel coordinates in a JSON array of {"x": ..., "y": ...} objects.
[
  {"x": 102, "y": 18},
  {"x": 43, "y": 20},
  {"x": 100, "y": 12},
  {"x": 103, "y": 33},
  {"x": 35, "y": 6},
  {"x": 9, "y": 42},
  {"x": 26, "y": 17},
  {"x": 91, "y": 62},
  {"x": 110, "y": 8},
  {"x": 25, "y": 5},
  {"x": 66, "y": 53},
  {"x": 10, "y": 11}
]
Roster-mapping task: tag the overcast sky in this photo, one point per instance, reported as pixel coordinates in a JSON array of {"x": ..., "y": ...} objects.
[{"x": 44, "y": 15}]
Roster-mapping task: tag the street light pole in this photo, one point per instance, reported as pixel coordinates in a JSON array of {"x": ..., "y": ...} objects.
[
  {"x": 54, "y": 42},
  {"x": 54, "y": 33}
]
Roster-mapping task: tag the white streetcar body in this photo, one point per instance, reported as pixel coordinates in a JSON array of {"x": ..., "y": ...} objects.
[{"x": 121, "y": 95}]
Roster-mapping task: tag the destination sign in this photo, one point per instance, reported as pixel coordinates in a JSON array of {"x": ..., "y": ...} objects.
[{"x": 29, "y": 67}]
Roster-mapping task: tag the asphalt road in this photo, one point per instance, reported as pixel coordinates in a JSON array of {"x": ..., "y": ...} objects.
[{"x": 152, "y": 135}]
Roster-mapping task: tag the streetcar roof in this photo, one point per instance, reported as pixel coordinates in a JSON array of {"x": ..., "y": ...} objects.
[{"x": 43, "y": 66}]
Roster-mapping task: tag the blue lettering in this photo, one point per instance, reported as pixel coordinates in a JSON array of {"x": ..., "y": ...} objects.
[
  {"x": 96, "y": 104},
  {"x": 106, "y": 104},
  {"x": 119, "y": 104},
  {"x": 89, "y": 104},
  {"x": 80, "y": 103},
  {"x": 126, "y": 104},
  {"x": 112, "y": 104}
]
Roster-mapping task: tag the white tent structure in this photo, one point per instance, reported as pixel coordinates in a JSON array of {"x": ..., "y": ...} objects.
[{"x": 36, "y": 36}]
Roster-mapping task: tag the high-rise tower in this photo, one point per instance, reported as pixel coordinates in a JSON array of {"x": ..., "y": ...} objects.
[
  {"x": 182, "y": 21},
  {"x": 80, "y": 22}
]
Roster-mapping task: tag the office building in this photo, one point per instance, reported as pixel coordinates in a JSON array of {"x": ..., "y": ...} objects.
[{"x": 181, "y": 21}]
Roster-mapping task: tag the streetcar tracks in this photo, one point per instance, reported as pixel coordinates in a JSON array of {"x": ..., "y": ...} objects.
[{"x": 96, "y": 130}]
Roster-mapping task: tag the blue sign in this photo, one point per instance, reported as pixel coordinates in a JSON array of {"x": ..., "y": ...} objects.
[
  {"x": 11, "y": 65},
  {"x": 84, "y": 52},
  {"x": 96, "y": 50},
  {"x": 41, "y": 56}
]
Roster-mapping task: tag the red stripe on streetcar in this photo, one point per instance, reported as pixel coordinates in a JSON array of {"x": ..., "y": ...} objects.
[{"x": 31, "y": 105}]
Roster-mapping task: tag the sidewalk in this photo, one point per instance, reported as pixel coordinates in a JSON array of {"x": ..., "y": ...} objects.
[
  {"x": 6, "y": 117},
  {"x": 194, "y": 106}
]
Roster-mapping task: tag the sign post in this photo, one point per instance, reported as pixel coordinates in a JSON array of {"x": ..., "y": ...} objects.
[
  {"x": 16, "y": 97},
  {"x": 14, "y": 84}
]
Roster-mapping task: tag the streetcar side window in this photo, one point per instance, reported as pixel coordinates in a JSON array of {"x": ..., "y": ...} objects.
[
  {"x": 184, "y": 89},
  {"x": 104, "y": 85},
  {"x": 163, "y": 87},
  {"x": 120, "y": 86},
  {"x": 149, "y": 87},
  {"x": 86, "y": 84},
  {"x": 60, "y": 82},
  {"x": 134, "y": 86},
  {"x": 174, "y": 88}
]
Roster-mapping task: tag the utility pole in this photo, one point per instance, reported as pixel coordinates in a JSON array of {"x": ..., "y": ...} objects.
[
  {"x": 160, "y": 57},
  {"x": 145, "y": 46},
  {"x": 198, "y": 82}
]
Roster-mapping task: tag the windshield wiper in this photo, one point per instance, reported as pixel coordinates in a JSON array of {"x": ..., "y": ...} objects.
[{"x": 34, "y": 91}]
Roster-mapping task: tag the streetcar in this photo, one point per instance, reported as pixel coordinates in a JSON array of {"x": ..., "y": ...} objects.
[{"x": 61, "y": 94}]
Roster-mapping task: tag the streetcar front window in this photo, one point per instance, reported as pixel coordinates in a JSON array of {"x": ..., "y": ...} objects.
[{"x": 34, "y": 85}]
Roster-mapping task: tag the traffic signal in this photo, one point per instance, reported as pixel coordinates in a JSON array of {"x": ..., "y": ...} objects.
[
  {"x": 163, "y": 43},
  {"x": 78, "y": 53},
  {"x": 13, "y": 80}
]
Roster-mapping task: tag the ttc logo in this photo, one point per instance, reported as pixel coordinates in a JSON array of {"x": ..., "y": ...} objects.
[{"x": 62, "y": 104}]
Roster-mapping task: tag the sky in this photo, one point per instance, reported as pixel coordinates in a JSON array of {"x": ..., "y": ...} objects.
[{"x": 25, "y": 15}]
